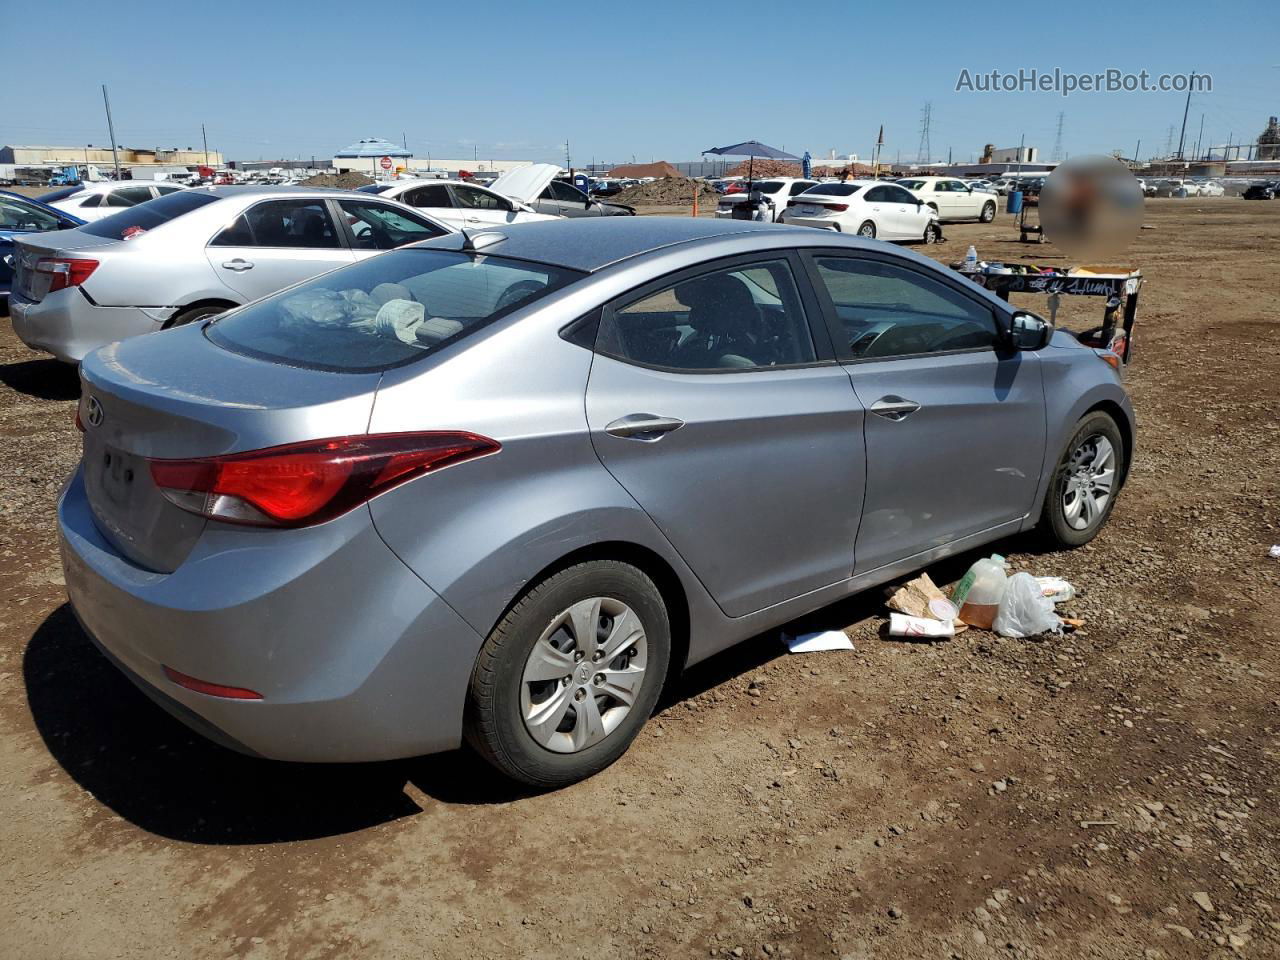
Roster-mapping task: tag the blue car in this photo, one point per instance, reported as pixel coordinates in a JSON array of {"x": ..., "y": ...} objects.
[{"x": 20, "y": 217}]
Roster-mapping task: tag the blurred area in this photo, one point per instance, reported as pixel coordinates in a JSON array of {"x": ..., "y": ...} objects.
[{"x": 1091, "y": 207}]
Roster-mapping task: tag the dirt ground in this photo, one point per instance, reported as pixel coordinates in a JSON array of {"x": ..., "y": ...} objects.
[{"x": 1111, "y": 794}]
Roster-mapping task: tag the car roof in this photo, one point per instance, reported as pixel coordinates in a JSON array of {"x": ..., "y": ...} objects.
[
  {"x": 592, "y": 243},
  {"x": 278, "y": 189}
]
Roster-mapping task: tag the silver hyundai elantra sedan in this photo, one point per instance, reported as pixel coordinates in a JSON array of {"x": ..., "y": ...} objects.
[{"x": 500, "y": 487}]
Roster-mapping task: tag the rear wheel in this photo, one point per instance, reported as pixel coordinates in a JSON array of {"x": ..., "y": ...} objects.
[
  {"x": 868, "y": 230},
  {"x": 194, "y": 314},
  {"x": 569, "y": 676},
  {"x": 988, "y": 212},
  {"x": 1085, "y": 483}
]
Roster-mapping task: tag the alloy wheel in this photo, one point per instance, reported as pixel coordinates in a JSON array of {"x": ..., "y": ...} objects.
[
  {"x": 583, "y": 675},
  {"x": 1090, "y": 479}
]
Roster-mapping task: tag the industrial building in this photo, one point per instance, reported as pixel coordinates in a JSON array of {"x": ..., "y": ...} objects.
[{"x": 41, "y": 156}]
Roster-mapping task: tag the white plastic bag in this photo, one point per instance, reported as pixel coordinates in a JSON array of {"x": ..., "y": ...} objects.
[{"x": 1024, "y": 609}]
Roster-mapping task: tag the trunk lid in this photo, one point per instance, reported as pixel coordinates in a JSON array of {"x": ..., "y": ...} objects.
[
  {"x": 175, "y": 395},
  {"x": 31, "y": 285}
]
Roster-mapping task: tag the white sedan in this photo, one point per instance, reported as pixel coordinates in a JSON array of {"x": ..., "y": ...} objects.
[
  {"x": 953, "y": 199},
  {"x": 93, "y": 201},
  {"x": 869, "y": 208},
  {"x": 458, "y": 203}
]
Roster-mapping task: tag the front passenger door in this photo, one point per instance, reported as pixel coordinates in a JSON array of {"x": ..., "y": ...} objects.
[
  {"x": 955, "y": 431},
  {"x": 707, "y": 402}
]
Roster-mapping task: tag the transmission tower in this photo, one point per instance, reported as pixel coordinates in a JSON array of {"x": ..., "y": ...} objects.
[
  {"x": 1057, "y": 141},
  {"x": 925, "y": 151}
]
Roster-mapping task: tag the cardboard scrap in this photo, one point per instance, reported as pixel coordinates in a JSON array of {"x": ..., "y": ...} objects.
[{"x": 912, "y": 598}]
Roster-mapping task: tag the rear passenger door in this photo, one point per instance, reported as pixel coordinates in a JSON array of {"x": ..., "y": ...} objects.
[
  {"x": 434, "y": 200},
  {"x": 714, "y": 405},
  {"x": 276, "y": 243},
  {"x": 955, "y": 430}
]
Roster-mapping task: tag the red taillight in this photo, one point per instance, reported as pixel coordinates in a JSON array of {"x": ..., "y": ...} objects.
[
  {"x": 66, "y": 271},
  {"x": 839, "y": 207},
  {"x": 300, "y": 484},
  {"x": 210, "y": 689},
  {"x": 79, "y": 422}
]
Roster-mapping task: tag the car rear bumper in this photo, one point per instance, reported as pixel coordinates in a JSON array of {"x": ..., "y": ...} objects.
[
  {"x": 66, "y": 324},
  {"x": 819, "y": 223},
  {"x": 354, "y": 656}
]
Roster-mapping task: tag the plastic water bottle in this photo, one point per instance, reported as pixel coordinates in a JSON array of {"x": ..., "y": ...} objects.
[
  {"x": 971, "y": 260},
  {"x": 978, "y": 592}
]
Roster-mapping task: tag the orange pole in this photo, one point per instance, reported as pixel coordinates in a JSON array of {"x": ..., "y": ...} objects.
[{"x": 695, "y": 198}]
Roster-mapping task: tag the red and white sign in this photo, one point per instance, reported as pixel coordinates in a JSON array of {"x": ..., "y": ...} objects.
[{"x": 385, "y": 163}]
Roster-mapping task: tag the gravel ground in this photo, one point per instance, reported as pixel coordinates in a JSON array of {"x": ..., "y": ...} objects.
[{"x": 1110, "y": 794}]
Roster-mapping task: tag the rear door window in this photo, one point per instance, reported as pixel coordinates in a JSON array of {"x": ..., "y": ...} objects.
[
  {"x": 741, "y": 318},
  {"x": 386, "y": 310},
  {"x": 432, "y": 195},
  {"x": 280, "y": 223}
]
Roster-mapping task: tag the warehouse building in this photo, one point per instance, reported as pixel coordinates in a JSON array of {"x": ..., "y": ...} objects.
[{"x": 38, "y": 156}]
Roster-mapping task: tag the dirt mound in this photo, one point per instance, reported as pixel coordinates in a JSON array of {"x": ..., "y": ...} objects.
[
  {"x": 762, "y": 169},
  {"x": 342, "y": 181},
  {"x": 668, "y": 190}
]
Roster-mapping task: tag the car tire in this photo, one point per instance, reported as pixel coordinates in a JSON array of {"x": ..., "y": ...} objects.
[
  {"x": 988, "y": 212},
  {"x": 194, "y": 315},
  {"x": 1072, "y": 515},
  {"x": 867, "y": 229},
  {"x": 932, "y": 234},
  {"x": 534, "y": 728}
]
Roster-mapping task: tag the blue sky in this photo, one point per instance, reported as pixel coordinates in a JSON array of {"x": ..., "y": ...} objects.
[{"x": 652, "y": 80}]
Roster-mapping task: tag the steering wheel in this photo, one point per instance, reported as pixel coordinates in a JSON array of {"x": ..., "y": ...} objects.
[{"x": 520, "y": 290}]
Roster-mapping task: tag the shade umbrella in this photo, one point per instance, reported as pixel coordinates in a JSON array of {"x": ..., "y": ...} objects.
[{"x": 751, "y": 149}]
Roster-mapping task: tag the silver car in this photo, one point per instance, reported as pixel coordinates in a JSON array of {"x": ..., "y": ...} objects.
[
  {"x": 192, "y": 254},
  {"x": 503, "y": 487}
]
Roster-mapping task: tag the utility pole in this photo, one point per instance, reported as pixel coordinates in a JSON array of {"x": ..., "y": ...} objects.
[
  {"x": 567, "y": 165},
  {"x": 1199, "y": 137},
  {"x": 111, "y": 130},
  {"x": 1057, "y": 141},
  {"x": 1185, "y": 110},
  {"x": 205, "y": 138},
  {"x": 1136, "y": 151},
  {"x": 1168, "y": 143}
]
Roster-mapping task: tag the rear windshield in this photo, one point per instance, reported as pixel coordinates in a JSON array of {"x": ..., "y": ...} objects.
[
  {"x": 374, "y": 188},
  {"x": 385, "y": 311},
  {"x": 149, "y": 215},
  {"x": 768, "y": 186},
  {"x": 911, "y": 184},
  {"x": 835, "y": 189}
]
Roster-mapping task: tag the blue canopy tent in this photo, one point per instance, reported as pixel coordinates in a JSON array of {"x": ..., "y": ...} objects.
[{"x": 751, "y": 149}]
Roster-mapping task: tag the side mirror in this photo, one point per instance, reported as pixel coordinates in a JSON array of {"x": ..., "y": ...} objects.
[{"x": 1030, "y": 332}]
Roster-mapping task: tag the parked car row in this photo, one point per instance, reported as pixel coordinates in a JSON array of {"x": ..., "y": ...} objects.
[{"x": 189, "y": 255}]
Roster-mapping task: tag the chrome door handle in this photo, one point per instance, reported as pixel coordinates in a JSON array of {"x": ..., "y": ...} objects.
[
  {"x": 643, "y": 426},
  {"x": 894, "y": 408},
  {"x": 237, "y": 264}
]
